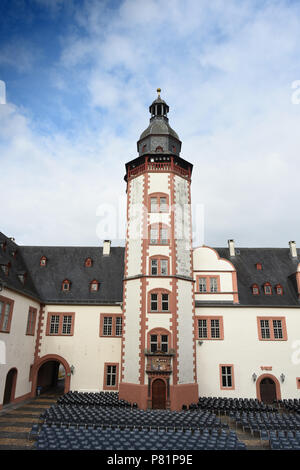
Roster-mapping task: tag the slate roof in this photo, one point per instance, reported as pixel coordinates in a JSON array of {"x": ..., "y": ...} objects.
[
  {"x": 17, "y": 266},
  {"x": 159, "y": 125},
  {"x": 44, "y": 283},
  {"x": 278, "y": 267},
  {"x": 69, "y": 263}
]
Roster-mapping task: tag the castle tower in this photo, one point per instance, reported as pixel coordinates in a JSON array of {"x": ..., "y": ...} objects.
[{"x": 158, "y": 346}]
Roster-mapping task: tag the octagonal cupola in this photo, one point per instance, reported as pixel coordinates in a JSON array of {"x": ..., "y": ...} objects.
[{"x": 159, "y": 137}]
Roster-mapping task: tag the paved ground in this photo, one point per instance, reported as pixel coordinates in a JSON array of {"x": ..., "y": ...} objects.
[{"x": 16, "y": 422}]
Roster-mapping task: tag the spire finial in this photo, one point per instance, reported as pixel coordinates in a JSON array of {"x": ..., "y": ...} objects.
[{"x": 158, "y": 91}]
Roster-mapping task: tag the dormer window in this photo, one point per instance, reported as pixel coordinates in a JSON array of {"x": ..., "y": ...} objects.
[
  {"x": 255, "y": 289},
  {"x": 279, "y": 289},
  {"x": 14, "y": 253},
  {"x": 258, "y": 266},
  {"x": 267, "y": 288},
  {"x": 94, "y": 286},
  {"x": 3, "y": 246},
  {"x": 5, "y": 268},
  {"x": 88, "y": 262},
  {"x": 22, "y": 278},
  {"x": 43, "y": 261},
  {"x": 66, "y": 284}
]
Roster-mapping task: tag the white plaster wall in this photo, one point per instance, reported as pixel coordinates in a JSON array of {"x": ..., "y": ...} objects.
[
  {"x": 135, "y": 219},
  {"x": 205, "y": 258},
  {"x": 158, "y": 183},
  {"x": 18, "y": 347},
  {"x": 85, "y": 350},
  {"x": 159, "y": 283},
  {"x": 132, "y": 331},
  {"x": 242, "y": 348},
  {"x": 185, "y": 332},
  {"x": 182, "y": 227}
]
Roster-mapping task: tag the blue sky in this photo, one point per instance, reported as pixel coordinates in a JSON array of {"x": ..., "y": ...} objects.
[{"x": 79, "y": 78}]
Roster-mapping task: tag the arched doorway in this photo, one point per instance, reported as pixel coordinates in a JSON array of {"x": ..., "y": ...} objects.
[
  {"x": 159, "y": 394},
  {"x": 51, "y": 374},
  {"x": 268, "y": 389},
  {"x": 10, "y": 386}
]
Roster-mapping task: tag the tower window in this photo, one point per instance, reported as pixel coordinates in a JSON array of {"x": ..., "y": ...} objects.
[
  {"x": 159, "y": 203},
  {"x": 159, "y": 301},
  {"x": 159, "y": 234},
  {"x": 159, "y": 266},
  {"x": 158, "y": 340}
]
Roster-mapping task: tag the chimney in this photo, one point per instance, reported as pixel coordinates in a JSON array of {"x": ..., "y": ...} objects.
[
  {"x": 231, "y": 247},
  {"x": 106, "y": 247},
  {"x": 293, "y": 250}
]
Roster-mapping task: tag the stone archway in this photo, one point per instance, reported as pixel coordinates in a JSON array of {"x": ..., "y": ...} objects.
[
  {"x": 10, "y": 386},
  {"x": 53, "y": 361},
  {"x": 268, "y": 388}
]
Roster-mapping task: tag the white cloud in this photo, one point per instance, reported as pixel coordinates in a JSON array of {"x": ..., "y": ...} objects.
[{"x": 225, "y": 69}]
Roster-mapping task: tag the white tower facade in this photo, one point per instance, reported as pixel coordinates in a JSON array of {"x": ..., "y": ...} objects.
[{"x": 158, "y": 348}]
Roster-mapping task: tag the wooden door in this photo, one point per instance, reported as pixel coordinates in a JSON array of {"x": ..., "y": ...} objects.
[
  {"x": 267, "y": 390},
  {"x": 159, "y": 394}
]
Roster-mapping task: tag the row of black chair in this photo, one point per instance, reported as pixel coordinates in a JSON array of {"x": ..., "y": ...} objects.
[
  {"x": 102, "y": 398},
  {"x": 86, "y": 438},
  {"x": 76, "y": 414},
  {"x": 261, "y": 422},
  {"x": 223, "y": 405}
]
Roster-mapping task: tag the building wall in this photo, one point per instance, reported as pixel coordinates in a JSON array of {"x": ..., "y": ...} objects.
[
  {"x": 18, "y": 348},
  {"x": 242, "y": 348},
  {"x": 86, "y": 350}
]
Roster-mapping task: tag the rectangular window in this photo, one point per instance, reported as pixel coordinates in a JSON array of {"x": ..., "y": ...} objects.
[
  {"x": 164, "y": 267},
  {"x": 107, "y": 326},
  {"x": 154, "y": 236},
  {"x": 265, "y": 329},
  {"x": 111, "y": 373},
  {"x": 272, "y": 328},
  {"x": 67, "y": 324},
  {"x": 31, "y": 319},
  {"x": 54, "y": 324},
  {"x": 213, "y": 284},
  {"x": 153, "y": 343},
  {"x": 277, "y": 328},
  {"x": 165, "y": 302},
  {"x": 215, "y": 328},
  {"x": 210, "y": 328},
  {"x": 163, "y": 204},
  {"x": 202, "y": 328},
  {"x": 154, "y": 205},
  {"x": 202, "y": 284},
  {"x": 164, "y": 236},
  {"x": 226, "y": 377},
  {"x": 111, "y": 376},
  {"x": 154, "y": 302},
  {"x": 154, "y": 267},
  {"x": 118, "y": 326},
  {"x": 6, "y": 307},
  {"x": 164, "y": 343}
]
